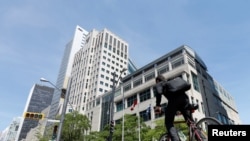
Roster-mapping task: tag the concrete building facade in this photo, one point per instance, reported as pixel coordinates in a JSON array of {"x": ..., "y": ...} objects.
[
  {"x": 212, "y": 98},
  {"x": 103, "y": 54}
]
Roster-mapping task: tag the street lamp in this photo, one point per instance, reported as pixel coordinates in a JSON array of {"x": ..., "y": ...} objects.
[
  {"x": 112, "y": 102},
  {"x": 62, "y": 92},
  {"x": 45, "y": 80},
  {"x": 63, "y": 109}
]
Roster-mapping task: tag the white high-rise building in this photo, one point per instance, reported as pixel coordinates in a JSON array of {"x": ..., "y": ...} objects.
[
  {"x": 71, "y": 48},
  {"x": 103, "y": 54}
]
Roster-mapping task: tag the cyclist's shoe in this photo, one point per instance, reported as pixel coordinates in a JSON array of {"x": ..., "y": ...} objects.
[{"x": 193, "y": 107}]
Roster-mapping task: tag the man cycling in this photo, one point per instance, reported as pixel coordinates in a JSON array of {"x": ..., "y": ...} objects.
[{"x": 176, "y": 102}]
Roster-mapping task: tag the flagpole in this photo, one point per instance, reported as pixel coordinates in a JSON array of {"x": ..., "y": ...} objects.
[
  {"x": 137, "y": 114},
  {"x": 139, "y": 125}
]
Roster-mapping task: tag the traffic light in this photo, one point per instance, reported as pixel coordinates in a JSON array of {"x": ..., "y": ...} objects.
[
  {"x": 63, "y": 93},
  {"x": 32, "y": 115},
  {"x": 54, "y": 132},
  {"x": 112, "y": 125}
]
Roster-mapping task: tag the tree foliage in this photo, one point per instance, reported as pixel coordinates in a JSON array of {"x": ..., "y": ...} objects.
[
  {"x": 75, "y": 127},
  {"x": 47, "y": 135},
  {"x": 131, "y": 131}
]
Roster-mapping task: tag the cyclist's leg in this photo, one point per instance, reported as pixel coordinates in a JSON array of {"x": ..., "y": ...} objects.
[
  {"x": 185, "y": 109},
  {"x": 189, "y": 120},
  {"x": 169, "y": 120},
  {"x": 187, "y": 114}
]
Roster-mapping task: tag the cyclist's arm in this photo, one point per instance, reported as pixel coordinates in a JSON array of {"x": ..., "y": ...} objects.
[{"x": 158, "y": 98}]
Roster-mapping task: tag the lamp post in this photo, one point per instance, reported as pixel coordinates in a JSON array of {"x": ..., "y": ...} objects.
[
  {"x": 45, "y": 80},
  {"x": 112, "y": 102},
  {"x": 63, "y": 109},
  {"x": 123, "y": 107}
]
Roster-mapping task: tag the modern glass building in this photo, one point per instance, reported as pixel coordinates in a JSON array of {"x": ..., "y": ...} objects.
[
  {"x": 40, "y": 98},
  {"x": 71, "y": 48}
]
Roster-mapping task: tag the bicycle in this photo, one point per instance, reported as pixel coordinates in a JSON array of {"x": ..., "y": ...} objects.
[{"x": 197, "y": 130}]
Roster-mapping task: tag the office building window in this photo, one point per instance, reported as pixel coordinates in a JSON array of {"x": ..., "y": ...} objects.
[
  {"x": 163, "y": 69},
  {"x": 137, "y": 82},
  {"x": 127, "y": 87},
  {"x": 144, "y": 95},
  {"x": 119, "y": 106},
  {"x": 195, "y": 82},
  {"x": 197, "y": 102},
  {"x": 202, "y": 108},
  {"x": 145, "y": 115},
  {"x": 177, "y": 63},
  {"x": 149, "y": 76},
  {"x": 131, "y": 100},
  {"x": 100, "y": 90}
]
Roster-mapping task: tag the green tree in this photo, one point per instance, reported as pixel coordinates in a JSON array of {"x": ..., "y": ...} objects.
[
  {"x": 97, "y": 136},
  {"x": 131, "y": 131},
  {"x": 160, "y": 128},
  {"x": 75, "y": 127},
  {"x": 47, "y": 135}
]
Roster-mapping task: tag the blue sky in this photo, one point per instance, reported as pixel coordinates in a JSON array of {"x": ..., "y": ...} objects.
[{"x": 33, "y": 35}]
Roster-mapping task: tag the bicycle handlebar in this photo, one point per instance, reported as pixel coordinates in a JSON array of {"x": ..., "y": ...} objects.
[{"x": 191, "y": 107}]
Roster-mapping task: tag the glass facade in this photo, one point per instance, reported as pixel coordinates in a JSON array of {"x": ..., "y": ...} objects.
[{"x": 39, "y": 99}]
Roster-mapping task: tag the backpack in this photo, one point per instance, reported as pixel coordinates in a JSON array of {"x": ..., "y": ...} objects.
[{"x": 175, "y": 85}]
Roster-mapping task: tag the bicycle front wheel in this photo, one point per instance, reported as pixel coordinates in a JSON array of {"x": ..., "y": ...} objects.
[
  {"x": 164, "y": 137},
  {"x": 200, "y": 133}
]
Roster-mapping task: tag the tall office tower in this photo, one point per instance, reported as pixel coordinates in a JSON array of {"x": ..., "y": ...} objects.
[
  {"x": 71, "y": 48},
  {"x": 92, "y": 73},
  {"x": 40, "y": 98}
]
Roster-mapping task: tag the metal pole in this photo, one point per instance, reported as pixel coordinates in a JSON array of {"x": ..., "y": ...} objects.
[
  {"x": 112, "y": 107},
  {"x": 139, "y": 123},
  {"x": 66, "y": 98},
  {"x": 112, "y": 102},
  {"x": 63, "y": 113},
  {"x": 123, "y": 104}
]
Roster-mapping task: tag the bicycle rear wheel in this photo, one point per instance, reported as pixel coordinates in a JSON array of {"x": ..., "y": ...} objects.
[
  {"x": 164, "y": 137},
  {"x": 202, "y": 128}
]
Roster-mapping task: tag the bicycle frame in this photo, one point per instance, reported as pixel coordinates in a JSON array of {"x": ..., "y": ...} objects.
[{"x": 194, "y": 130}]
